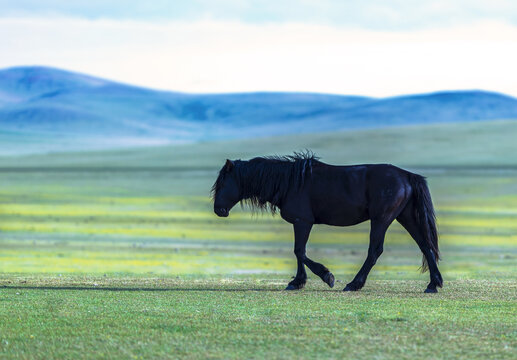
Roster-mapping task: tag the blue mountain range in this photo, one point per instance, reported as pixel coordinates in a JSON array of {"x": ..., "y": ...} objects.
[{"x": 62, "y": 110}]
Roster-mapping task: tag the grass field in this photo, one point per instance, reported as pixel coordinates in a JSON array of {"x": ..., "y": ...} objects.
[
  {"x": 220, "y": 318},
  {"x": 118, "y": 255}
]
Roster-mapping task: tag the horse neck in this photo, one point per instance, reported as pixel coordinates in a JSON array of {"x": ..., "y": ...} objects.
[{"x": 266, "y": 183}]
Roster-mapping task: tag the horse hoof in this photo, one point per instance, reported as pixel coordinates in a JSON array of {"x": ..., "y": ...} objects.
[
  {"x": 294, "y": 286},
  {"x": 350, "y": 287},
  {"x": 329, "y": 279},
  {"x": 430, "y": 291}
]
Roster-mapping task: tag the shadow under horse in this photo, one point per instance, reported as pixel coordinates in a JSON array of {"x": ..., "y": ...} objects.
[{"x": 307, "y": 191}]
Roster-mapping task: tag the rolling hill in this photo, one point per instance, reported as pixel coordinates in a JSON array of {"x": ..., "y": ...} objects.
[{"x": 50, "y": 110}]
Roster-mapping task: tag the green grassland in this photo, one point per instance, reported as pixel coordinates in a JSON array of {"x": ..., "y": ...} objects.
[
  {"x": 118, "y": 254},
  {"x": 90, "y": 317}
]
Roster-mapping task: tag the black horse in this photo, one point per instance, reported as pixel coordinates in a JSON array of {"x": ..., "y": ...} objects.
[{"x": 308, "y": 191}]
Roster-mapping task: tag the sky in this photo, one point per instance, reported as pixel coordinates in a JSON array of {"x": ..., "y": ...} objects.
[{"x": 370, "y": 47}]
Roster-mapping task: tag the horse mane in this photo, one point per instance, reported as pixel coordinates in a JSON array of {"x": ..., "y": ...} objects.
[{"x": 264, "y": 181}]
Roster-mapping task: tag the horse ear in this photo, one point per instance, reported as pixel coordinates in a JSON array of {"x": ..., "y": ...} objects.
[{"x": 229, "y": 165}]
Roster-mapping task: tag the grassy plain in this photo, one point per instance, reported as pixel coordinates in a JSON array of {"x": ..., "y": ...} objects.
[
  {"x": 118, "y": 254},
  {"x": 222, "y": 318}
]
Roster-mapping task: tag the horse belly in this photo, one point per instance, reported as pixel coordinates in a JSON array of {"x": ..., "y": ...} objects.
[
  {"x": 340, "y": 214},
  {"x": 338, "y": 196}
]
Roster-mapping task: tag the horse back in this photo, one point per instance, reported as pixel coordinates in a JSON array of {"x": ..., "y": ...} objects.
[{"x": 347, "y": 195}]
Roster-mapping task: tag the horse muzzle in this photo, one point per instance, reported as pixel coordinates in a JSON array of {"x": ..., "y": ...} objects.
[{"x": 222, "y": 212}]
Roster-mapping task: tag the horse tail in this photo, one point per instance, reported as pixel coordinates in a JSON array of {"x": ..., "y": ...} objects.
[{"x": 424, "y": 215}]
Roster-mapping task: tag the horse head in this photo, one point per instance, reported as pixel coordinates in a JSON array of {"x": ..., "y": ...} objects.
[{"x": 226, "y": 190}]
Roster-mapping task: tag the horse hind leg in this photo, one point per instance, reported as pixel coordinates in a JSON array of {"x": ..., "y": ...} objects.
[
  {"x": 377, "y": 233},
  {"x": 408, "y": 220}
]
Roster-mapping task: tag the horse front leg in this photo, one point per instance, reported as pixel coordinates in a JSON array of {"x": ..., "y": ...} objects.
[
  {"x": 301, "y": 236},
  {"x": 300, "y": 279}
]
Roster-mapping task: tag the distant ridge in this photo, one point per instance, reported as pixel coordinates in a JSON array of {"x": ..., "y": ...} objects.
[{"x": 45, "y": 109}]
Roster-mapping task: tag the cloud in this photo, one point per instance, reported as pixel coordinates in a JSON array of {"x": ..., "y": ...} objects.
[
  {"x": 225, "y": 56},
  {"x": 366, "y": 14}
]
